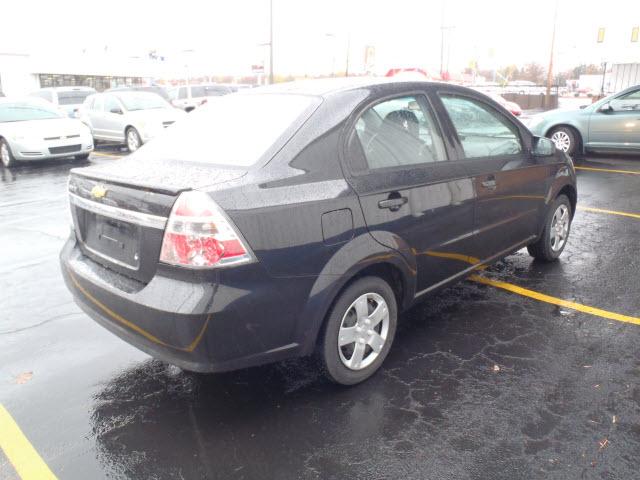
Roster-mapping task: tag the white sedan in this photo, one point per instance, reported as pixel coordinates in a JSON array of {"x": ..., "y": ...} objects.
[{"x": 33, "y": 129}]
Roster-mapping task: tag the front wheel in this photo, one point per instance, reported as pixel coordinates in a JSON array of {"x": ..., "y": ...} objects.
[
  {"x": 134, "y": 142},
  {"x": 82, "y": 157},
  {"x": 359, "y": 331},
  {"x": 565, "y": 139},
  {"x": 5, "y": 154},
  {"x": 555, "y": 233}
]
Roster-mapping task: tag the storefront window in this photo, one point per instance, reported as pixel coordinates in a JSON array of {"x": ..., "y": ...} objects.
[{"x": 99, "y": 82}]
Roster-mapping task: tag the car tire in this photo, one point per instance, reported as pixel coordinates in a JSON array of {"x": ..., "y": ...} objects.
[
  {"x": 132, "y": 139},
  {"x": 366, "y": 339},
  {"x": 549, "y": 246},
  {"x": 81, "y": 158},
  {"x": 6, "y": 156},
  {"x": 565, "y": 139}
]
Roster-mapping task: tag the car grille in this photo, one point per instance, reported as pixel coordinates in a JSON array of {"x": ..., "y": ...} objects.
[
  {"x": 58, "y": 138},
  {"x": 65, "y": 149}
]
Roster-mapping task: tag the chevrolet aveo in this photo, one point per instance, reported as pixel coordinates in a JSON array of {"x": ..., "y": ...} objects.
[{"x": 303, "y": 218}]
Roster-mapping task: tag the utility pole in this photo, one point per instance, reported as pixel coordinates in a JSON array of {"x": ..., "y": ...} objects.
[
  {"x": 346, "y": 68},
  {"x": 550, "y": 71},
  {"x": 270, "y": 42}
]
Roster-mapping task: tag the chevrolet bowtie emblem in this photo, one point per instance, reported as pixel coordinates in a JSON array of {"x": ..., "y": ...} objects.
[{"x": 98, "y": 191}]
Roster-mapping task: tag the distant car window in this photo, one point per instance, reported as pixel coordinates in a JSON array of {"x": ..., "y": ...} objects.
[
  {"x": 110, "y": 103},
  {"x": 400, "y": 132},
  {"x": 483, "y": 131},
  {"x": 182, "y": 93},
  {"x": 628, "y": 101},
  {"x": 74, "y": 97},
  {"x": 222, "y": 133},
  {"x": 209, "y": 90},
  {"x": 22, "y": 111},
  {"x": 141, "y": 101}
]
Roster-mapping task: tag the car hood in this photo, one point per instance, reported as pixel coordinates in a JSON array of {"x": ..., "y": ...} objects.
[
  {"x": 163, "y": 175},
  {"x": 55, "y": 127},
  {"x": 156, "y": 115}
]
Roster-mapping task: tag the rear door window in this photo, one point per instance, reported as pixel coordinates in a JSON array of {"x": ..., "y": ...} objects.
[{"x": 400, "y": 132}]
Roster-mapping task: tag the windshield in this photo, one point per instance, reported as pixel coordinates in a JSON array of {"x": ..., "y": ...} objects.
[
  {"x": 23, "y": 111},
  {"x": 75, "y": 97},
  {"x": 235, "y": 130},
  {"x": 142, "y": 101}
]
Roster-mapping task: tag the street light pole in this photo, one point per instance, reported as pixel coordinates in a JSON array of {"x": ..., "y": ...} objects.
[
  {"x": 270, "y": 42},
  {"x": 550, "y": 71}
]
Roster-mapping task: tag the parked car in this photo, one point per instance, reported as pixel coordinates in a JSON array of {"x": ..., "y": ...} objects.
[
  {"x": 33, "y": 129},
  {"x": 131, "y": 118},
  {"x": 158, "y": 89},
  {"x": 69, "y": 99},
  {"x": 608, "y": 125},
  {"x": 221, "y": 246},
  {"x": 192, "y": 96}
]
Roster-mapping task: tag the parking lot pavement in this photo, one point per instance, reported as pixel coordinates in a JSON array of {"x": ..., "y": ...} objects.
[{"x": 489, "y": 380}]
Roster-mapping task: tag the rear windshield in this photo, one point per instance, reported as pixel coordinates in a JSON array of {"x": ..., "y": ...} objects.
[
  {"x": 21, "y": 111},
  {"x": 73, "y": 97},
  {"x": 234, "y": 130}
]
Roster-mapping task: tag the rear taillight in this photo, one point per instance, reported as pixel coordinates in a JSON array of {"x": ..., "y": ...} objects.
[{"x": 200, "y": 235}]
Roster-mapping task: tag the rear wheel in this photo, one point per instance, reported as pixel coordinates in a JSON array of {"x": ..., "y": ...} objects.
[
  {"x": 5, "y": 154},
  {"x": 555, "y": 233},
  {"x": 565, "y": 139},
  {"x": 134, "y": 142},
  {"x": 359, "y": 331}
]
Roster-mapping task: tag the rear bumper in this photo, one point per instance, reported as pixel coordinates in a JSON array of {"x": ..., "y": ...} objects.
[{"x": 225, "y": 322}]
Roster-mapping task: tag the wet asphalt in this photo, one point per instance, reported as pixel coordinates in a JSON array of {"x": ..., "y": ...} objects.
[{"x": 480, "y": 384}]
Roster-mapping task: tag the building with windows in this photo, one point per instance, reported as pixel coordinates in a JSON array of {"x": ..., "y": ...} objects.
[{"x": 22, "y": 73}]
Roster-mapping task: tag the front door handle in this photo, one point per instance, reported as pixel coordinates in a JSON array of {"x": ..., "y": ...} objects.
[
  {"x": 393, "y": 204},
  {"x": 489, "y": 184}
]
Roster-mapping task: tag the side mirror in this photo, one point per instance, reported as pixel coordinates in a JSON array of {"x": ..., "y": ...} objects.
[
  {"x": 606, "y": 108},
  {"x": 116, "y": 110},
  {"x": 543, "y": 147}
]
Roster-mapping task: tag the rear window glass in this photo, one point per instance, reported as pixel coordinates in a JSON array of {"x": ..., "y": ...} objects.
[
  {"x": 234, "y": 130},
  {"x": 72, "y": 98},
  {"x": 209, "y": 91}
]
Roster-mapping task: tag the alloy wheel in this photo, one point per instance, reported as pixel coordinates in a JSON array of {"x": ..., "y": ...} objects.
[
  {"x": 559, "y": 228},
  {"x": 5, "y": 155},
  {"x": 363, "y": 331},
  {"x": 562, "y": 140},
  {"x": 133, "y": 141}
]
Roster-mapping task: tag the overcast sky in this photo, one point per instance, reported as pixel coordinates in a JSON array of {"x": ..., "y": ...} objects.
[{"x": 312, "y": 36}]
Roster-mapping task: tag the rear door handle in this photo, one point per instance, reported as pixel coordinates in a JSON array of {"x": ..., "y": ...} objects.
[
  {"x": 393, "y": 204},
  {"x": 489, "y": 184}
]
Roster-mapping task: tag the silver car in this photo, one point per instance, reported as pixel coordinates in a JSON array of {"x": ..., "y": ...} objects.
[
  {"x": 33, "y": 129},
  {"x": 191, "y": 96},
  {"x": 130, "y": 118},
  {"x": 609, "y": 125},
  {"x": 69, "y": 99}
]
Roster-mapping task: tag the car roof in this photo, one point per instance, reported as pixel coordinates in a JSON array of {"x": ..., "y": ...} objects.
[
  {"x": 70, "y": 89},
  {"x": 325, "y": 87}
]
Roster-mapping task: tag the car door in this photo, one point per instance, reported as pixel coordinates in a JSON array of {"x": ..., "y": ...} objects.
[
  {"x": 114, "y": 118},
  {"x": 95, "y": 114},
  {"x": 413, "y": 198},
  {"x": 617, "y": 126},
  {"x": 510, "y": 186}
]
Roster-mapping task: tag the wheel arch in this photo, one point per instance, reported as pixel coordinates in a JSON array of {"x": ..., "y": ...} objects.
[
  {"x": 572, "y": 194},
  {"x": 379, "y": 260},
  {"x": 573, "y": 128}
]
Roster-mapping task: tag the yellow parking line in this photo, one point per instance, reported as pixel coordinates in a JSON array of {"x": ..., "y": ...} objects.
[
  {"x": 610, "y": 170},
  {"x": 610, "y": 212},
  {"x": 112, "y": 155},
  {"x": 20, "y": 452},
  {"x": 555, "y": 301}
]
